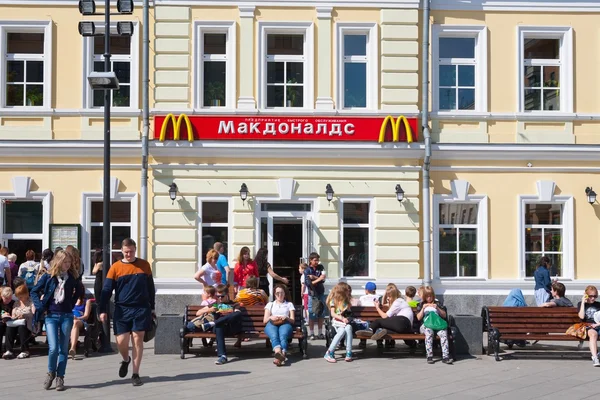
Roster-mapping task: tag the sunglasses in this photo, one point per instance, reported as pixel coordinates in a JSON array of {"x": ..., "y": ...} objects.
[
  {"x": 591, "y": 296},
  {"x": 279, "y": 293}
]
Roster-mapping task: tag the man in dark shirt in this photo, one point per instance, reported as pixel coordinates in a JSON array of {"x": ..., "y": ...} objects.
[
  {"x": 314, "y": 278},
  {"x": 131, "y": 279},
  {"x": 558, "y": 297}
]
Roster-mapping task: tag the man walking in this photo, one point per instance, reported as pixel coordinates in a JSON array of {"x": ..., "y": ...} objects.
[{"x": 131, "y": 279}]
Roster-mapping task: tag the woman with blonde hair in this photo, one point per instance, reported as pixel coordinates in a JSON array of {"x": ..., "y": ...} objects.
[
  {"x": 56, "y": 294},
  {"x": 74, "y": 253},
  {"x": 208, "y": 274},
  {"x": 398, "y": 318},
  {"x": 340, "y": 301}
]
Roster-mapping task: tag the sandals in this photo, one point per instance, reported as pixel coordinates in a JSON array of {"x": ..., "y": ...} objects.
[{"x": 277, "y": 362}]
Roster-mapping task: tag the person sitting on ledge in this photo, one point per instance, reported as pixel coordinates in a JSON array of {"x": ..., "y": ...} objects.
[{"x": 558, "y": 297}]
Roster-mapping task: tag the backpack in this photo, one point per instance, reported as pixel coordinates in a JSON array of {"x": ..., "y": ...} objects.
[{"x": 30, "y": 275}]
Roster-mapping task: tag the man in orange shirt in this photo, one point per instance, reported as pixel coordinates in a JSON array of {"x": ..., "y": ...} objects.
[{"x": 131, "y": 279}]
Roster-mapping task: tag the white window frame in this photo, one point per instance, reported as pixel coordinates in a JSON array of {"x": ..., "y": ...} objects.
[
  {"x": 371, "y": 60},
  {"x": 133, "y": 58},
  {"x": 568, "y": 219},
  {"x": 308, "y": 58},
  {"x": 45, "y": 199},
  {"x": 482, "y": 234},
  {"x": 370, "y": 225},
  {"x": 86, "y": 222},
  {"x": 228, "y": 224},
  {"x": 44, "y": 27},
  {"x": 229, "y": 29},
  {"x": 479, "y": 33},
  {"x": 565, "y": 35}
]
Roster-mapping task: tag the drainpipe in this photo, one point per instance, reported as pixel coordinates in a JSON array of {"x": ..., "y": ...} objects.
[
  {"x": 145, "y": 131},
  {"x": 427, "y": 137}
]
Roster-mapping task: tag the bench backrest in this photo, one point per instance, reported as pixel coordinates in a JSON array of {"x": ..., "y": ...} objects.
[
  {"x": 530, "y": 319},
  {"x": 252, "y": 317},
  {"x": 370, "y": 314}
]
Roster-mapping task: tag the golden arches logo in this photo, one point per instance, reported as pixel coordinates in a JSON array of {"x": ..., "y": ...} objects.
[
  {"x": 396, "y": 129},
  {"x": 176, "y": 127}
]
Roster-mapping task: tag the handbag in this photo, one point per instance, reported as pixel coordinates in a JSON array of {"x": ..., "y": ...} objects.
[
  {"x": 149, "y": 335},
  {"x": 317, "y": 306},
  {"x": 578, "y": 330},
  {"x": 434, "y": 322}
]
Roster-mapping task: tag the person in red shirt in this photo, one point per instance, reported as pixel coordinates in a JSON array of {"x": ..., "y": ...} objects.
[{"x": 244, "y": 268}]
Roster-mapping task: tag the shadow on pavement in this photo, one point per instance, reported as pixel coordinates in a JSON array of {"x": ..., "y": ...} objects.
[{"x": 157, "y": 379}]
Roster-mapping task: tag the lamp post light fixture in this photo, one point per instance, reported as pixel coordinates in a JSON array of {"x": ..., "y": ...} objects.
[
  {"x": 87, "y": 7},
  {"x": 125, "y": 6},
  {"x": 244, "y": 193},
  {"x": 329, "y": 192},
  {"x": 399, "y": 193},
  {"x": 173, "y": 192},
  {"x": 103, "y": 80},
  {"x": 591, "y": 195}
]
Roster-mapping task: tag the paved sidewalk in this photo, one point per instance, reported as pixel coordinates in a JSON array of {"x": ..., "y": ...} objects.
[{"x": 251, "y": 375}]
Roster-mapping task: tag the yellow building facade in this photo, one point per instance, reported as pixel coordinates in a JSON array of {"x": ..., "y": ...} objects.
[{"x": 290, "y": 99}]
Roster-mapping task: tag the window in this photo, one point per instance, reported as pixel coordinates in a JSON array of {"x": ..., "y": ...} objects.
[
  {"x": 357, "y": 65},
  {"x": 286, "y": 71},
  {"x": 120, "y": 227},
  {"x": 545, "y": 66},
  {"x": 355, "y": 239},
  {"x": 120, "y": 63},
  {"x": 460, "y": 240},
  {"x": 124, "y": 61},
  {"x": 23, "y": 227},
  {"x": 214, "y": 225},
  {"x": 215, "y": 68},
  {"x": 26, "y": 65},
  {"x": 543, "y": 237},
  {"x": 460, "y": 68}
]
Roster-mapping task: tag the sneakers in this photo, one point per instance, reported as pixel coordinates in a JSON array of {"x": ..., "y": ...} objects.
[
  {"x": 429, "y": 360},
  {"x": 450, "y": 361},
  {"x": 136, "y": 380},
  {"x": 23, "y": 355},
  {"x": 312, "y": 337},
  {"x": 330, "y": 358},
  {"x": 8, "y": 355},
  {"x": 321, "y": 337},
  {"x": 49, "y": 379},
  {"x": 364, "y": 332},
  {"x": 348, "y": 356},
  {"x": 596, "y": 361},
  {"x": 221, "y": 360},
  {"x": 123, "y": 368},
  {"x": 379, "y": 334},
  {"x": 206, "y": 326},
  {"x": 60, "y": 383}
]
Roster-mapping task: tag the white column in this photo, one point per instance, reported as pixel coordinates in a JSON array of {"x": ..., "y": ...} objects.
[
  {"x": 324, "y": 69},
  {"x": 246, "y": 61}
]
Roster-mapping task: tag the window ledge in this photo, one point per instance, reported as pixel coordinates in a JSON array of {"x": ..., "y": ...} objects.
[
  {"x": 66, "y": 112},
  {"x": 18, "y": 111},
  {"x": 521, "y": 116}
]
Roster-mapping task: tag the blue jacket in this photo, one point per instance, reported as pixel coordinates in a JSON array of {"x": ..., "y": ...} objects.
[
  {"x": 46, "y": 287},
  {"x": 542, "y": 279}
]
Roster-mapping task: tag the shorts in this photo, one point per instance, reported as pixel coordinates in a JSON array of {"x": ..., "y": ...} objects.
[
  {"x": 132, "y": 319},
  {"x": 311, "y": 315},
  {"x": 305, "y": 301}
]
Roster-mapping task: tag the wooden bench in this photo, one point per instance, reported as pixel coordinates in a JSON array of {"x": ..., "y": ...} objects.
[
  {"x": 370, "y": 314},
  {"x": 527, "y": 323},
  {"x": 252, "y": 327},
  {"x": 90, "y": 335}
]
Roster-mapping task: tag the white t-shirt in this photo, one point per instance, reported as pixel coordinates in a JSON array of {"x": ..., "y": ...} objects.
[
  {"x": 3, "y": 264},
  {"x": 367, "y": 300},
  {"x": 302, "y": 283},
  {"x": 280, "y": 309},
  {"x": 401, "y": 307},
  {"x": 209, "y": 274}
]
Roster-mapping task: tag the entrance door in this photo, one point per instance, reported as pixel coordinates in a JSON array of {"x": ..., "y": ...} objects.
[{"x": 286, "y": 237}]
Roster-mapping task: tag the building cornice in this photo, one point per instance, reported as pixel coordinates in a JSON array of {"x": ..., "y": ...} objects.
[
  {"x": 511, "y": 152},
  {"x": 48, "y": 149},
  {"x": 54, "y": 3},
  {"x": 559, "y": 6},
  {"x": 293, "y": 3}
]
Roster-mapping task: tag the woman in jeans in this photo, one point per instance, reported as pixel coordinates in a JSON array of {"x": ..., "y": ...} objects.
[
  {"x": 60, "y": 290},
  {"x": 279, "y": 317}
]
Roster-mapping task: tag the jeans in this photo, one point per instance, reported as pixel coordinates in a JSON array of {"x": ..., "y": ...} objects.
[
  {"x": 339, "y": 335},
  {"x": 58, "y": 332},
  {"x": 279, "y": 335},
  {"x": 229, "y": 324}
]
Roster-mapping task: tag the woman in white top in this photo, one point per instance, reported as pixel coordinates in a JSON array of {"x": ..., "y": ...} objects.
[
  {"x": 398, "y": 318},
  {"x": 279, "y": 317},
  {"x": 208, "y": 274}
]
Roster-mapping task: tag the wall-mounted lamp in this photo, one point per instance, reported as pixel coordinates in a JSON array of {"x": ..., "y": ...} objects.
[
  {"x": 173, "y": 191},
  {"x": 244, "y": 192},
  {"x": 591, "y": 195},
  {"x": 329, "y": 192},
  {"x": 399, "y": 192}
]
